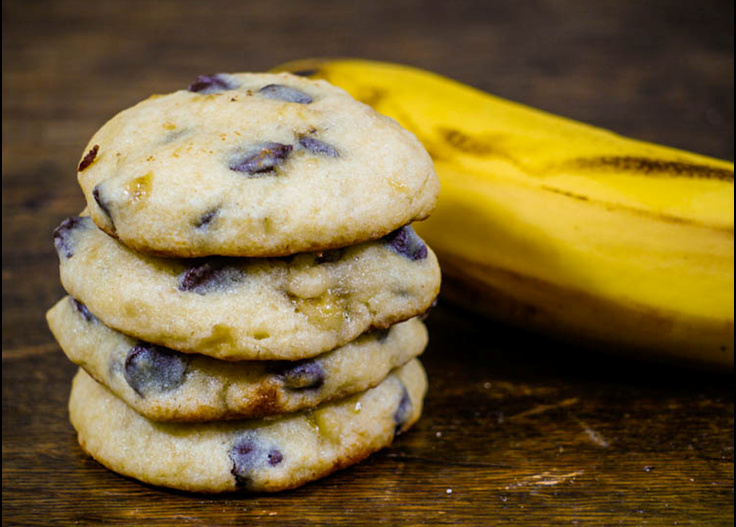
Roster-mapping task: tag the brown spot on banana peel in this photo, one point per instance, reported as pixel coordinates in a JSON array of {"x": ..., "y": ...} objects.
[
  {"x": 466, "y": 143},
  {"x": 649, "y": 166},
  {"x": 487, "y": 145},
  {"x": 371, "y": 96}
]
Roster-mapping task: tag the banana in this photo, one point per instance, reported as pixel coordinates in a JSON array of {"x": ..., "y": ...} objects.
[{"x": 561, "y": 227}]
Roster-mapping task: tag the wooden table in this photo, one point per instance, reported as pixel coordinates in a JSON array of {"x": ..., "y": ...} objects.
[{"x": 517, "y": 430}]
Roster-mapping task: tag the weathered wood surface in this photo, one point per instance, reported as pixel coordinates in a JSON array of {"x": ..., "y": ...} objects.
[{"x": 517, "y": 430}]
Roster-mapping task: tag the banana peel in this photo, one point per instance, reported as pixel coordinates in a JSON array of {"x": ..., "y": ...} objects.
[{"x": 561, "y": 227}]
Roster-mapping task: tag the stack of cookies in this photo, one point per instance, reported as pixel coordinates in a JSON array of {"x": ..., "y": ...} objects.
[{"x": 245, "y": 286}]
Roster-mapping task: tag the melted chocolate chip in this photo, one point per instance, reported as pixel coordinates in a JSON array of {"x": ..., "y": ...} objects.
[
  {"x": 62, "y": 235},
  {"x": 299, "y": 375},
  {"x": 285, "y": 93},
  {"x": 405, "y": 242},
  {"x": 318, "y": 147},
  {"x": 154, "y": 369},
  {"x": 261, "y": 160},
  {"x": 207, "y": 84},
  {"x": 249, "y": 454},
  {"x": 82, "y": 310},
  {"x": 209, "y": 276},
  {"x": 403, "y": 411},
  {"x": 89, "y": 158}
]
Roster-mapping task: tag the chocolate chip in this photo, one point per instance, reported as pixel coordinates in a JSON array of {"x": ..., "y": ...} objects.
[
  {"x": 154, "y": 369},
  {"x": 262, "y": 159},
  {"x": 405, "y": 242},
  {"x": 331, "y": 256},
  {"x": 403, "y": 411},
  {"x": 205, "y": 219},
  {"x": 318, "y": 147},
  {"x": 101, "y": 202},
  {"x": 248, "y": 454},
  {"x": 62, "y": 235},
  {"x": 89, "y": 158},
  {"x": 285, "y": 93},
  {"x": 209, "y": 276},
  {"x": 207, "y": 84},
  {"x": 299, "y": 375},
  {"x": 275, "y": 457},
  {"x": 82, "y": 310}
]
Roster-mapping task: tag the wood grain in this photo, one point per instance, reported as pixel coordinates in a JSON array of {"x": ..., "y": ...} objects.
[{"x": 517, "y": 430}]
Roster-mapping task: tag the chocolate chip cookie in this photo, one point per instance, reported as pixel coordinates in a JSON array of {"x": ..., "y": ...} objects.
[
  {"x": 254, "y": 165},
  {"x": 166, "y": 385},
  {"x": 248, "y": 308},
  {"x": 251, "y": 455}
]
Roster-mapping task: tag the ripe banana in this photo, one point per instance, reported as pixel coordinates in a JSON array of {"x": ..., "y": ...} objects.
[{"x": 562, "y": 227}]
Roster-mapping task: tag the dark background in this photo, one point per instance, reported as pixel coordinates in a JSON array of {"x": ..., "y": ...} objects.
[{"x": 522, "y": 430}]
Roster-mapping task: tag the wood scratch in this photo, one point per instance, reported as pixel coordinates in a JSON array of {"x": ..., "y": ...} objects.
[
  {"x": 594, "y": 436},
  {"x": 29, "y": 351},
  {"x": 542, "y": 408},
  {"x": 544, "y": 479}
]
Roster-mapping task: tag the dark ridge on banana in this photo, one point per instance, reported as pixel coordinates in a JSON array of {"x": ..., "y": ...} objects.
[
  {"x": 648, "y": 166},
  {"x": 566, "y": 193},
  {"x": 470, "y": 145},
  {"x": 634, "y": 210}
]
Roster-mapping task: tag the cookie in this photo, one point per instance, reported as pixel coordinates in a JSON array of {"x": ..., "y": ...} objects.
[
  {"x": 248, "y": 455},
  {"x": 254, "y": 165},
  {"x": 248, "y": 308},
  {"x": 166, "y": 385}
]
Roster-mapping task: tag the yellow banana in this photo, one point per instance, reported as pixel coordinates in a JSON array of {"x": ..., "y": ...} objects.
[{"x": 559, "y": 226}]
